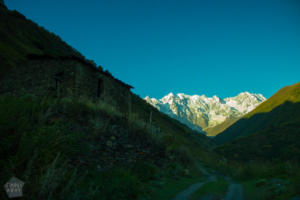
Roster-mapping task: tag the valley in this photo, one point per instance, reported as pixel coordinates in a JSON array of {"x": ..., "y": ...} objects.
[{"x": 70, "y": 129}]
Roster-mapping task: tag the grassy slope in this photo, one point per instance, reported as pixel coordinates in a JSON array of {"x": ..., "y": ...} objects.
[
  {"x": 20, "y": 37},
  {"x": 263, "y": 189},
  {"x": 67, "y": 149},
  {"x": 289, "y": 93},
  {"x": 269, "y": 149},
  {"x": 175, "y": 133},
  {"x": 78, "y": 149},
  {"x": 261, "y": 118},
  {"x": 278, "y": 138},
  {"x": 220, "y": 128}
]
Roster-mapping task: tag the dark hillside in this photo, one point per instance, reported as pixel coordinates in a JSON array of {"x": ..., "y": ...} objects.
[
  {"x": 106, "y": 144},
  {"x": 275, "y": 136},
  {"x": 86, "y": 145},
  {"x": 20, "y": 37},
  {"x": 171, "y": 128},
  {"x": 263, "y": 118}
]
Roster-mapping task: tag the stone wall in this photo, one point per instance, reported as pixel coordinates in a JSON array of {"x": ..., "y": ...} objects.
[
  {"x": 37, "y": 77},
  {"x": 65, "y": 78}
]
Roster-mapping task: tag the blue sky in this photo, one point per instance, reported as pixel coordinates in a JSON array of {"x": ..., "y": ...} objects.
[{"x": 196, "y": 47}]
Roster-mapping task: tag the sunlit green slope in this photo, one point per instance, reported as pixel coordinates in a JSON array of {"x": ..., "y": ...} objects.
[{"x": 271, "y": 131}]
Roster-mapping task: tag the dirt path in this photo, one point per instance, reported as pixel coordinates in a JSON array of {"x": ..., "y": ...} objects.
[
  {"x": 234, "y": 192},
  {"x": 185, "y": 194}
]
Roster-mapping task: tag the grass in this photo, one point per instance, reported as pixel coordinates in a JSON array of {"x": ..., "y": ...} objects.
[
  {"x": 76, "y": 149},
  {"x": 263, "y": 174},
  {"x": 251, "y": 191},
  {"x": 86, "y": 146},
  {"x": 275, "y": 136},
  {"x": 220, "y": 128},
  {"x": 215, "y": 188},
  {"x": 20, "y": 37},
  {"x": 264, "y": 189},
  {"x": 170, "y": 185},
  {"x": 279, "y": 111},
  {"x": 289, "y": 93}
]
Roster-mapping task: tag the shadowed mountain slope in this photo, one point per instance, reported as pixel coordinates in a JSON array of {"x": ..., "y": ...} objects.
[
  {"x": 271, "y": 131},
  {"x": 252, "y": 122},
  {"x": 277, "y": 139}
]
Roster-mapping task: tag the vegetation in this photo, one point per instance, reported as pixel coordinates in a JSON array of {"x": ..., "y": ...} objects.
[
  {"x": 20, "y": 37},
  {"x": 266, "y": 180},
  {"x": 77, "y": 149},
  {"x": 169, "y": 186},
  {"x": 266, "y": 151},
  {"x": 289, "y": 93},
  {"x": 266, "y": 158},
  {"x": 274, "y": 188},
  {"x": 281, "y": 111},
  {"x": 213, "y": 131},
  {"x": 279, "y": 139},
  {"x": 217, "y": 189}
]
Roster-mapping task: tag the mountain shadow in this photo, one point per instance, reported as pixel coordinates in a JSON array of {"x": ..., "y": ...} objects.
[
  {"x": 274, "y": 136},
  {"x": 250, "y": 124}
]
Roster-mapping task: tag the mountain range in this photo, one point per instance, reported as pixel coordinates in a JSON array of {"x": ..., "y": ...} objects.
[{"x": 203, "y": 113}]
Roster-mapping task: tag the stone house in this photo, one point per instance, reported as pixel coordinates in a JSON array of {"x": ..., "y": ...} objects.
[{"x": 65, "y": 77}]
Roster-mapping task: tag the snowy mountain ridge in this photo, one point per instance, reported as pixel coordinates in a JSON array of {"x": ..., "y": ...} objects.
[{"x": 201, "y": 112}]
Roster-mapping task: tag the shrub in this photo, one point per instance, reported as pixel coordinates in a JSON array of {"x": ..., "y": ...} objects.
[
  {"x": 115, "y": 184},
  {"x": 145, "y": 170}
]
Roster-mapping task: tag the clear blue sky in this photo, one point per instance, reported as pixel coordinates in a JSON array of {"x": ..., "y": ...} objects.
[{"x": 196, "y": 47}]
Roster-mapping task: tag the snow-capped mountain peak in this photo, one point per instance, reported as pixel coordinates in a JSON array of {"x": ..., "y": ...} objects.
[
  {"x": 200, "y": 112},
  {"x": 168, "y": 98}
]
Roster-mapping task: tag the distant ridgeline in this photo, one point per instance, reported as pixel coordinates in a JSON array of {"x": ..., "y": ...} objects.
[{"x": 35, "y": 61}]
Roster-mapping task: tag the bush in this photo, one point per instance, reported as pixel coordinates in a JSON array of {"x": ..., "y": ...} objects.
[
  {"x": 115, "y": 184},
  {"x": 145, "y": 171},
  {"x": 56, "y": 145}
]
